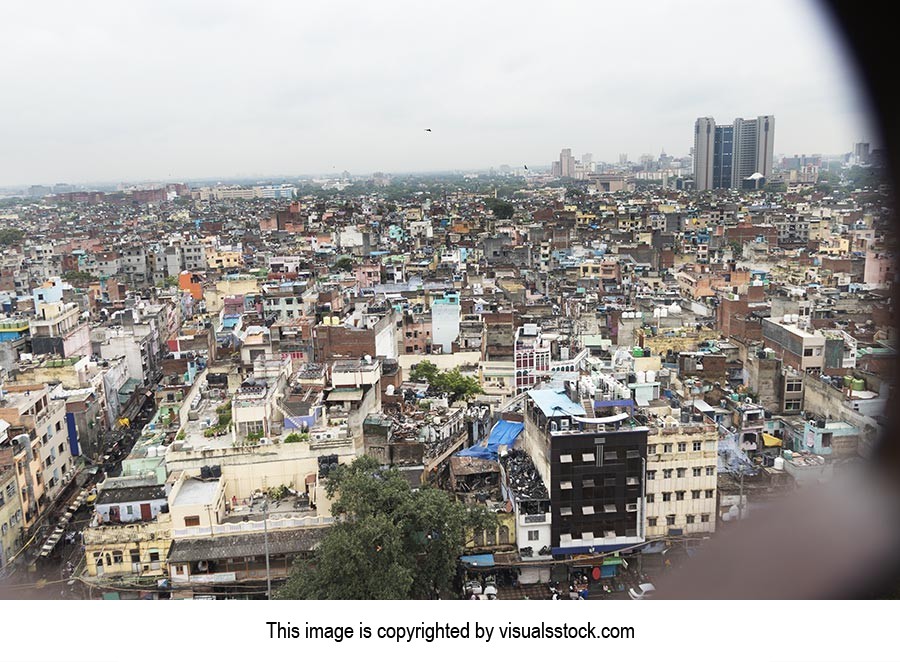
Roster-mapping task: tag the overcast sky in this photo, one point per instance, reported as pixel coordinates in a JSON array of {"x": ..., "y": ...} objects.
[{"x": 132, "y": 90}]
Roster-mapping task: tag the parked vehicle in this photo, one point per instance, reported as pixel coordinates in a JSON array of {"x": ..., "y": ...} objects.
[{"x": 642, "y": 592}]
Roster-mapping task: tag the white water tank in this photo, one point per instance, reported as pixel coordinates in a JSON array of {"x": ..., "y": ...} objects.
[
  {"x": 651, "y": 376},
  {"x": 641, "y": 377},
  {"x": 778, "y": 464}
]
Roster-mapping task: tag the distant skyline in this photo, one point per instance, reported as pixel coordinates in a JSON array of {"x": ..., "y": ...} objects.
[{"x": 107, "y": 92}]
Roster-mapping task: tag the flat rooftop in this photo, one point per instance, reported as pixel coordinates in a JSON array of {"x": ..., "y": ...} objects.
[{"x": 196, "y": 492}]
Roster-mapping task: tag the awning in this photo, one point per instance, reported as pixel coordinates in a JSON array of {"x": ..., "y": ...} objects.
[
  {"x": 770, "y": 440},
  {"x": 478, "y": 560}
]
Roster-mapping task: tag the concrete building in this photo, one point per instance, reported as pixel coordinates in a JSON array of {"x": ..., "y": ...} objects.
[
  {"x": 725, "y": 156},
  {"x": 594, "y": 469},
  {"x": 681, "y": 479},
  {"x": 11, "y": 514},
  {"x": 38, "y": 446}
]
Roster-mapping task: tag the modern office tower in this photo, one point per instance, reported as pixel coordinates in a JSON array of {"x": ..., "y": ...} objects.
[
  {"x": 861, "y": 153},
  {"x": 566, "y": 163},
  {"x": 724, "y": 156},
  {"x": 704, "y": 142}
]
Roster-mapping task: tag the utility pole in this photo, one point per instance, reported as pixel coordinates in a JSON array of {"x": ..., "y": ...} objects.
[
  {"x": 741, "y": 498},
  {"x": 266, "y": 544}
]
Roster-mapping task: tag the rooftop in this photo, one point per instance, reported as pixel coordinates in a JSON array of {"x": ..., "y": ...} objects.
[{"x": 196, "y": 492}]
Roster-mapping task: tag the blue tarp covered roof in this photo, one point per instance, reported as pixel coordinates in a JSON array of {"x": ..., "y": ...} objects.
[{"x": 504, "y": 433}]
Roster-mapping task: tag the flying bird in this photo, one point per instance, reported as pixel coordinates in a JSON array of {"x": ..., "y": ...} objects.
[
  {"x": 428, "y": 130},
  {"x": 526, "y": 167}
]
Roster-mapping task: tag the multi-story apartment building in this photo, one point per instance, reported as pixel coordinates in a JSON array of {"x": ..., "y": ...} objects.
[
  {"x": 593, "y": 468},
  {"x": 531, "y": 353},
  {"x": 38, "y": 446},
  {"x": 12, "y": 517},
  {"x": 681, "y": 479}
]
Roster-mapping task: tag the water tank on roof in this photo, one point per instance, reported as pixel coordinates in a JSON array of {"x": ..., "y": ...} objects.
[
  {"x": 651, "y": 376},
  {"x": 778, "y": 464}
]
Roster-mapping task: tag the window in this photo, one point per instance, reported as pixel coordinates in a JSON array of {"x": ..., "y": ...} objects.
[
  {"x": 667, "y": 448},
  {"x": 710, "y": 471},
  {"x": 704, "y": 518},
  {"x": 587, "y": 457},
  {"x": 587, "y": 510},
  {"x": 670, "y": 520},
  {"x": 679, "y": 495},
  {"x": 667, "y": 473},
  {"x": 651, "y": 498},
  {"x": 794, "y": 386},
  {"x": 565, "y": 511},
  {"x": 695, "y": 494},
  {"x": 59, "y": 449},
  {"x": 710, "y": 494},
  {"x": 682, "y": 446},
  {"x": 154, "y": 556},
  {"x": 681, "y": 472},
  {"x": 808, "y": 351},
  {"x": 135, "y": 556},
  {"x": 589, "y": 482},
  {"x": 565, "y": 459},
  {"x": 608, "y": 482},
  {"x": 697, "y": 471},
  {"x": 117, "y": 558},
  {"x": 609, "y": 508},
  {"x": 651, "y": 449},
  {"x": 611, "y": 456},
  {"x": 651, "y": 475},
  {"x": 129, "y": 510},
  {"x": 690, "y": 519},
  {"x": 632, "y": 480},
  {"x": 651, "y": 521},
  {"x": 534, "y": 535},
  {"x": 698, "y": 446},
  {"x": 192, "y": 520},
  {"x": 667, "y": 496},
  {"x": 565, "y": 485}
]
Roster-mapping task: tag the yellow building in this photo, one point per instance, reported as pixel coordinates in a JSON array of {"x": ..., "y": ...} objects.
[
  {"x": 681, "y": 479},
  {"x": 11, "y": 516},
  {"x": 137, "y": 549}
]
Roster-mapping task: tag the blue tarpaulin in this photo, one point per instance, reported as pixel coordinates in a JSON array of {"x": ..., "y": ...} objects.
[{"x": 504, "y": 433}]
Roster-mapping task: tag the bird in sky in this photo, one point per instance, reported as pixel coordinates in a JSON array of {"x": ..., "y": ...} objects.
[
  {"x": 526, "y": 167},
  {"x": 428, "y": 130}
]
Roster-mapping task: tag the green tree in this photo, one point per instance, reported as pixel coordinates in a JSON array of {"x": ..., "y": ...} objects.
[
  {"x": 501, "y": 208},
  {"x": 390, "y": 542},
  {"x": 11, "y": 236},
  {"x": 344, "y": 263},
  {"x": 362, "y": 559},
  {"x": 456, "y": 385},
  {"x": 424, "y": 371}
]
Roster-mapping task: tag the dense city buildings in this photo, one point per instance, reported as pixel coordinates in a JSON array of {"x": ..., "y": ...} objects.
[{"x": 616, "y": 360}]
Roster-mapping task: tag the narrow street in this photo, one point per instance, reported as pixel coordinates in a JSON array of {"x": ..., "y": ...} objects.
[{"x": 50, "y": 577}]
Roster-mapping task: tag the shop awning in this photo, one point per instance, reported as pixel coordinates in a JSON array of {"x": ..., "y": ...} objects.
[{"x": 478, "y": 560}]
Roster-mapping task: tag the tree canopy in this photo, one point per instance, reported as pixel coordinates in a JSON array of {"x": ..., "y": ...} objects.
[
  {"x": 501, "y": 208},
  {"x": 390, "y": 542},
  {"x": 452, "y": 382},
  {"x": 11, "y": 236}
]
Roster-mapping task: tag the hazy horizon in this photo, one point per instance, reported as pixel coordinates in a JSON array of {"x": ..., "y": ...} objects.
[{"x": 103, "y": 92}]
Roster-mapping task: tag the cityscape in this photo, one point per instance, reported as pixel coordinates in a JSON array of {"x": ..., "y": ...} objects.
[{"x": 557, "y": 380}]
